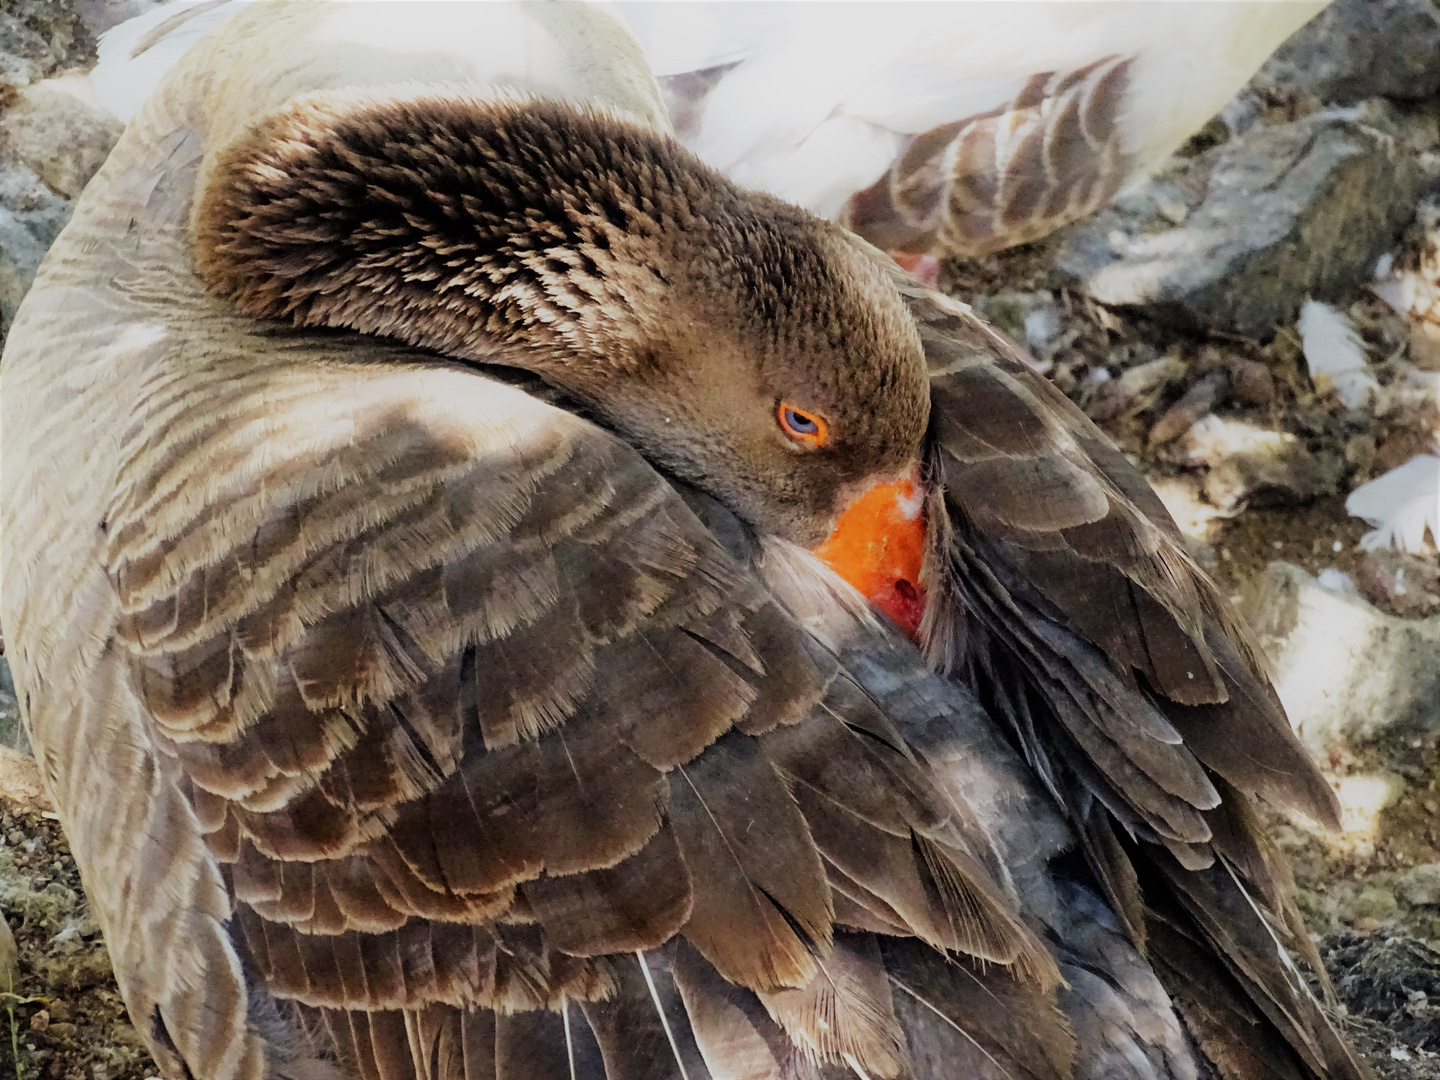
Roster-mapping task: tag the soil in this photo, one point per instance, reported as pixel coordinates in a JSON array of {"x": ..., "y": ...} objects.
[
  {"x": 65, "y": 1019},
  {"x": 1381, "y": 950}
]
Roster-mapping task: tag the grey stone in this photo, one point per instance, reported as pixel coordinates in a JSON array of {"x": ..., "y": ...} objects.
[
  {"x": 1356, "y": 49},
  {"x": 1277, "y": 214},
  {"x": 31, "y": 217},
  {"x": 52, "y": 140},
  {"x": 1249, "y": 465},
  {"x": 1344, "y": 670},
  {"x": 24, "y": 55},
  {"x": 1421, "y": 885},
  {"x": 12, "y": 731},
  {"x": 60, "y": 134}
]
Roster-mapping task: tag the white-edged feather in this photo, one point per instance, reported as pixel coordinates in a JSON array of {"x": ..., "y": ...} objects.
[
  {"x": 1335, "y": 354},
  {"x": 823, "y": 97},
  {"x": 1401, "y": 504}
]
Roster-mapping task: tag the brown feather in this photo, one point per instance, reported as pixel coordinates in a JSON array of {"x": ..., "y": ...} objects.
[
  {"x": 845, "y": 1015},
  {"x": 639, "y": 903},
  {"x": 761, "y": 904}
]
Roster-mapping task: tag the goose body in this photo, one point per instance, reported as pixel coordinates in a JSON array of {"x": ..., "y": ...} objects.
[{"x": 421, "y": 651}]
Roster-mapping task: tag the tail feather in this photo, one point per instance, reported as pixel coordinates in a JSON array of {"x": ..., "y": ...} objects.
[
  {"x": 642, "y": 1030},
  {"x": 846, "y": 1014},
  {"x": 962, "y": 1019}
]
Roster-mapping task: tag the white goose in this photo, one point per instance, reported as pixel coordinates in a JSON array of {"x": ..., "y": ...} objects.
[
  {"x": 959, "y": 128},
  {"x": 955, "y": 128}
]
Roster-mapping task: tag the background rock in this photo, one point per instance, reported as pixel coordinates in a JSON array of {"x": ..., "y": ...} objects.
[
  {"x": 1356, "y": 49},
  {"x": 12, "y": 731},
  {"x": 56, "y": 129},
  {"x": 1344, "y": 670},
  {"x": 20, "y": 781},
  {"x": 1280, "y": 213},
  {"x": 52, "y": 140},
  {"x": 1421, "y": 885}
]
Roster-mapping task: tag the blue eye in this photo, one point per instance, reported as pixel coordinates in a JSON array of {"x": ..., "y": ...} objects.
[
  {"x": 805, "y": 428},
  {"x": 800, "y": 425}
]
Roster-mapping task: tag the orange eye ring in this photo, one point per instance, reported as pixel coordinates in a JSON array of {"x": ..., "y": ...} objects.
[{"x": 806, "y": 428}]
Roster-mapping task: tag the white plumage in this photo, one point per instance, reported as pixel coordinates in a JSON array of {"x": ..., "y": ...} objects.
[
  {"x": 962, "y": 127},
  {"x": 1401, "y": 505},
  {"x": 893, "y": 71},
  {"x": 1335, "y": 355}
]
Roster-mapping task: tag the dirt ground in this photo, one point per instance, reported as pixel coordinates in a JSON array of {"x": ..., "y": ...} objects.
[{"x": 65, "y": 1019}]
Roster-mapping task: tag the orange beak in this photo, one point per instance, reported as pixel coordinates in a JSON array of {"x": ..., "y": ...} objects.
[{"x": 878, "y": 546}]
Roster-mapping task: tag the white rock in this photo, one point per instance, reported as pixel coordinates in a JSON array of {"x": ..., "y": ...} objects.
[
  {"x": 1344, "y": 670},
  {"x": 1337, "y": 581}
]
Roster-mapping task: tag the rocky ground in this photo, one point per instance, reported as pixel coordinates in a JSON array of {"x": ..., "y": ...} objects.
[{"x": 1176, "y": 319}]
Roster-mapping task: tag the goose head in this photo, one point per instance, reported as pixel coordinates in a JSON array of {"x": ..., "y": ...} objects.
[{"x": 742, "y": 344}]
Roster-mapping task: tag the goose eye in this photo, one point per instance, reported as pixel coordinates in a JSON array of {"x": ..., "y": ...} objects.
[{"x": 804, "y": 427}]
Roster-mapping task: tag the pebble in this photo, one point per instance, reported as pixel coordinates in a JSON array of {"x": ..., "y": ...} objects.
[
  {"x": 1194, "y": 405},
  {"x": 1251, "y": 382},
  {"x": 1421, "y": 885}
]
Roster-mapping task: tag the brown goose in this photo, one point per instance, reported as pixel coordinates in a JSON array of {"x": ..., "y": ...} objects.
[{"x": 417, "y": 649}]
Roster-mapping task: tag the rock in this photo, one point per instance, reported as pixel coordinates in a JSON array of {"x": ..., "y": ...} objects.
[
  {"x": 1254, "y": 465},
  {"x": 1356, "y": 49},
  {"x": 1421, "y": 885},
  {"x": 31, "y": 216},
  {"x": 1277, "y": 214},
  {"x": 1194, "y": 405},
  {"x": 1374, "y": 902},
  {"x": 1251, "y": 382},
  {"x": 1344, "y": 670},
  {"x": 20, "y": 781},
  {"x": 12, "y": 731},
  {"x": 24, "y": 55},
  {"x": 57, "y": 130},
  {"x": 1403, "y": 584}
]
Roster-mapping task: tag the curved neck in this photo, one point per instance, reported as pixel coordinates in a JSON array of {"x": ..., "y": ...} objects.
[{"x": 540, "y": 234}]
